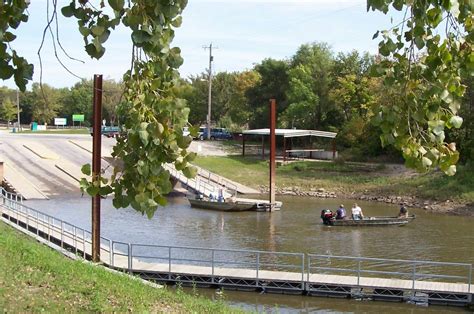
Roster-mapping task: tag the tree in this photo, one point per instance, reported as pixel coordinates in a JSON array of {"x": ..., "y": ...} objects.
[
  {"x": 8, "y": 110},
  {"x": 273, "y": 83},
  {"x": 424, "y": 69},
  {"x": 46, "y": 105},
  {"x": 310, "y": 79}
]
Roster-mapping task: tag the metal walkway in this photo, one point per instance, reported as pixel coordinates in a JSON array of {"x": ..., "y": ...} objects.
[{"x": 293, "y": 273}]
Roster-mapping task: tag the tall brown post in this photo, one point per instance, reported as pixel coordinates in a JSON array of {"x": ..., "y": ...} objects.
[
  {"x": 96, "y": 156},
  {"x": 272, "y": 152}
]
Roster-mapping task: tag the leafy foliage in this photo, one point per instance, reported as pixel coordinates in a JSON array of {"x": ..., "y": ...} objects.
[
  {"x": 8, "y": 110},
  {"x": 12, "y": 14},
  {"x": 423, "y": 69},
  {"x": 151, "y": 116}
]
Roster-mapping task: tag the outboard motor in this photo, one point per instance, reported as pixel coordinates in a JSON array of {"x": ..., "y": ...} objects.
[{"x": 327, "y": 216}]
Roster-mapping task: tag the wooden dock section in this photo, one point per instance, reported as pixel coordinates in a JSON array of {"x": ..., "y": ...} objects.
[{"x": 278, "y": 272}]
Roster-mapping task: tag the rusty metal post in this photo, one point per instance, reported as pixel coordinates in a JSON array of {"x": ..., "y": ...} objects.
[
  {"x": 272, "y": 152},
  {"x": 96, "y": 156}
]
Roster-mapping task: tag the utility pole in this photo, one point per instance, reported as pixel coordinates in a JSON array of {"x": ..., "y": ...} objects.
[
  {"x": 208, "y": 120},
  {"x": 18, "y": 108}
]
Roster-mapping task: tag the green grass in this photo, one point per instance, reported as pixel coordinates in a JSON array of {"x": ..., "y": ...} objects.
[
  {"x": 346, "y": 178},
  {"x": 35, "y": 278},
  {"x": 58, "y": 131}
]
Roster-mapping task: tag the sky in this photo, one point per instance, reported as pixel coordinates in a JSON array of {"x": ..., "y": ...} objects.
[{"x": 244, "y": 32}]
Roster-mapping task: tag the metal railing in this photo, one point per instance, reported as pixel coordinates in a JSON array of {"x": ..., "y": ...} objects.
[
  {"x": 11, "y": 196},
  {"x": 140, "y": 257},
  {"x": 199, "y": 183},
  {"x": 412, "y": 270}
]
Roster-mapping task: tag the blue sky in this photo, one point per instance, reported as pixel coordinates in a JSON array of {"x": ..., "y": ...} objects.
[{"x": 245, "y": 32}]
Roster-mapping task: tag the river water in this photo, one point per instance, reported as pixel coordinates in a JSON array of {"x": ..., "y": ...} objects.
[{"x": 295, "y": 228}]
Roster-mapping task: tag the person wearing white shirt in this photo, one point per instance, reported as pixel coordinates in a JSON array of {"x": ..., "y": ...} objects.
[{"x": 357, "y": 212}]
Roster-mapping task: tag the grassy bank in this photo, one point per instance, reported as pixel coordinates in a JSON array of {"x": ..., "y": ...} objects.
[
  {"x": 347, "y": 178},
  {"x": 35, "y": 278}
]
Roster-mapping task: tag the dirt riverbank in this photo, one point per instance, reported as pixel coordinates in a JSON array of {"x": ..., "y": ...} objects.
[{"x": 442, "y": 207}]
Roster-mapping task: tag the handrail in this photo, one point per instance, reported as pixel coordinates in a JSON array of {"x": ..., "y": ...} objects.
[
  {"x": 414, "y": 274},
  {"x": 77, "y": 236}
]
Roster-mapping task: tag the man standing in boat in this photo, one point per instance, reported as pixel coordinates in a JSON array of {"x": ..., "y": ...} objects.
[{"x": 357, "y": 213}]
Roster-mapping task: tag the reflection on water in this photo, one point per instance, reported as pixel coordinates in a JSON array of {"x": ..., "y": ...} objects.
[{"x": 296, "y": 228}]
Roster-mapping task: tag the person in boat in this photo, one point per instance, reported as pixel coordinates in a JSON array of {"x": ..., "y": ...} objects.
[
  {"x": 200, "y": 197},
  {"x": 327, "y": 216},
  {"x": 403, "y": 213},
  {"x": 220, "y": 195},
  {"x": 212, "y": 197},
  {"x": 357, "y": 213},
  {"x": 341, "y": 212}
]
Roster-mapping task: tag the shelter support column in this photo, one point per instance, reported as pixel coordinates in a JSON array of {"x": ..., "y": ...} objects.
[
  {"x": 333, "y": 149},
  {"x": 263, "y": 147},
  {"x": 243, "y": 145},
  {"x": 284, "y": 149}
]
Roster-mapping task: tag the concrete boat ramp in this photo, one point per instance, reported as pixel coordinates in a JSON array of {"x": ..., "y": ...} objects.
[{"x": 51, "y": 166}]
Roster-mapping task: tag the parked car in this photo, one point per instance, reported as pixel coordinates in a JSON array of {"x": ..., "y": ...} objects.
[
  {"x": 216, "y": 134},
  {"x": 186, "y": 131},
  {"x": 108, "y": 131}
]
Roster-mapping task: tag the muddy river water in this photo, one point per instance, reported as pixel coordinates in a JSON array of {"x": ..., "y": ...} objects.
[{"x": 295, "y": 228}]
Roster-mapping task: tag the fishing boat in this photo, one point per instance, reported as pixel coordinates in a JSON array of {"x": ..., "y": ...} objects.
[
  {"x": 374, "y": 221},
  {"x": 236, "y": 206}
]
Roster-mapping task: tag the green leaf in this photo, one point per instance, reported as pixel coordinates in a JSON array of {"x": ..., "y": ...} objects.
[
  {"x": 69, "y": 10},
  {"x": 446, "y": 96},
  {"x": 143, "y": 137},
  {"x": 6, "y": 71},
  {"x": 86, "y": 169},
  {"x": 190, "y": 171},
  {"x": 97, "y": 30},
  {"x": 105, "y": 190},
  {"x": 139, "y": 37},
  {"x": 92, "y": 190},
  {"x": 451, "y": 170},
  {"x": 456, "y": 121},
  {"x": 426, "y": 162},
  {"x": 117, "y": 5},
  {"x": 177, "y": 21}
]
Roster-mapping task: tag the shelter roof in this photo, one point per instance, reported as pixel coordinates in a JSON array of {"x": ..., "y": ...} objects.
[{"x": 291, "y": 133}]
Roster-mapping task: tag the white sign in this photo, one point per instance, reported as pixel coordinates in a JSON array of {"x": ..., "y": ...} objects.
[
  {"x": 60, "y": 121},
  {"x": 41, "y": 127}
]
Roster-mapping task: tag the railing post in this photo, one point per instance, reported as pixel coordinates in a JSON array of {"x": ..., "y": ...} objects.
[
  {"x": 37, "y": 224},
  {"x": 111, "y": 254},
  {"x": 414, "y": 277},
  {"x": 309, "y": 267},
  {"x": 358, "y": 271},
  {"x": 302, "y": 271},
  {"x": 49, "y": 228},
  {"x": 213, "y": 265},
  {"x": 62, "y": 233},
  {"x": 470, "y": 279},
  {"x": 130, "y": 246},
  {"x": 83, "y": 243},
  {"x": 169, "y": 261},
  {"x": 75, "y": 240},
  {"x": 258, "y": 266}
]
